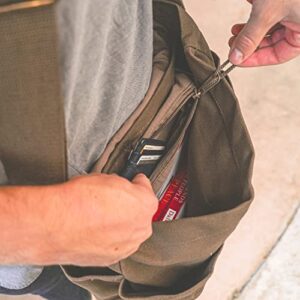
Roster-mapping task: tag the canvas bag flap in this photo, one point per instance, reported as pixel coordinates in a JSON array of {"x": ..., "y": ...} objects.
[{"x": 176, "y": 261}]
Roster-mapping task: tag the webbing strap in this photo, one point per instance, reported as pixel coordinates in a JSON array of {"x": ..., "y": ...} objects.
[{"x": 32, "y": 129}]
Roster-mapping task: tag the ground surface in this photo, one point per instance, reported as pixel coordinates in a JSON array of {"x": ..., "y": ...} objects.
[
  {"x": 270, "y": 101},
  {"x": 279, "y": 277}
]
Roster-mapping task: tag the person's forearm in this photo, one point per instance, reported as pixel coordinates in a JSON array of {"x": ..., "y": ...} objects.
[
  {"x": 78, "y": 222},
  {"x": 28, "y": 224}
]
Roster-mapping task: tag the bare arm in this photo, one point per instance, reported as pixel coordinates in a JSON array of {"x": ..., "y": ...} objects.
[
  {"x": 91, "y": 220},
  {"x": 27, "y": 224}
]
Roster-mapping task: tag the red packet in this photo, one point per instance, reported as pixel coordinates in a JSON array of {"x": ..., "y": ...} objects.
[
  {"x": 173, "y": 198},
  {"x": 177, "y": 201}
]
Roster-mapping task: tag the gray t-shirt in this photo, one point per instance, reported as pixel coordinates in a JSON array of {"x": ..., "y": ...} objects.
[{"x": 106, "y": 63}]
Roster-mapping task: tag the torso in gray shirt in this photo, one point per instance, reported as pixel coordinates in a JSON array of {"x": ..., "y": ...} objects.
[{"x": 106, "y": 63}]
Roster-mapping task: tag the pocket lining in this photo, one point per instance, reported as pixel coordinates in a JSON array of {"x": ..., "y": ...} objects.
[{"x": 173, "y": 149}]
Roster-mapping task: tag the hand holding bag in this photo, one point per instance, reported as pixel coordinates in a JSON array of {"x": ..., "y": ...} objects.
[{"x": 177, "y": 260}]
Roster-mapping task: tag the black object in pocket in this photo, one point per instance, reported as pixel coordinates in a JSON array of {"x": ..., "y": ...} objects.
[{"x": 144, "y": 158}]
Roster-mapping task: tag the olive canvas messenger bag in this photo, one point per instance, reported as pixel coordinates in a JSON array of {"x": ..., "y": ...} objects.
[{"x": 190, "y": 103}]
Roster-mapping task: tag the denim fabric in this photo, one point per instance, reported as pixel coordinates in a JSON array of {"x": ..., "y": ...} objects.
[{"x": 52, "y": 284}]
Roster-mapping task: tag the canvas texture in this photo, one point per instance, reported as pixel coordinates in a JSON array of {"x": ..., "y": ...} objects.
[
  {"x": 179, "y": 257},
  {"x": 177, "y": 260}
]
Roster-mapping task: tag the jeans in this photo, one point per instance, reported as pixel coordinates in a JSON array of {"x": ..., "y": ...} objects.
[{"x": 52, "y": 284}]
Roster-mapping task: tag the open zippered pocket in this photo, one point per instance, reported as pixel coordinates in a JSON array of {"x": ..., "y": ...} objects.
[
  {"x": 176, "y": 140},
  {"x": 168, "y": 127},
  {"x": 181, "y": 93}
]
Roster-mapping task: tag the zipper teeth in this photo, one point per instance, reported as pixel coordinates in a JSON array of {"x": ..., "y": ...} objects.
[
  {"x": 190, "y": 91},
  {"x": 171, "y": 152},
  {"x": 186, "y": 95}
]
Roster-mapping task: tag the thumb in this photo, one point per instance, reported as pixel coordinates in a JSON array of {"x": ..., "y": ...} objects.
[
  {"x": 142, "y": 180},
  {"x": 251, "y": 36}
]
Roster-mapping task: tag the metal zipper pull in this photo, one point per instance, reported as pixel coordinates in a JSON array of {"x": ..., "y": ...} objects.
[{"x": 213, "y": 79}]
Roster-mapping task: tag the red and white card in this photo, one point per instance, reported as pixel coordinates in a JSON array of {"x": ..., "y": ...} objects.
[{"x": 173, "y": 196}]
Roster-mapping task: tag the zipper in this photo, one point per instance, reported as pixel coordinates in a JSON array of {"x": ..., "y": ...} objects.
[
  {"x": 190, "y": 93},
  {"x": 214, "y": 79},
  {"x": 173, "y": 149},
  {"x": 184, "y": 98},
  {"x": 196, "y": 94}
]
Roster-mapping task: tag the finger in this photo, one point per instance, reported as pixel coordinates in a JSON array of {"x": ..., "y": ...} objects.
[
  {"x": 261, "y": 20},
  {"x": 142, "y": 179},
  {"x": 264, "y": 43},
  {"x": 268, "y": 40},
  {"x": 291, "y": 25},
  {"x": 231, "y": 41},
  {"x": 237, "y": 28},
  {"x": 282, "y": 51},
  {"x": 274, "y": 38}
]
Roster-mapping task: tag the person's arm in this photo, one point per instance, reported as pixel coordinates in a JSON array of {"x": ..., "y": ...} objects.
[
  {"x": 271, "y": 35},
  {"x": 90, "y": 220},
  {"x": 26, "y": 233}
]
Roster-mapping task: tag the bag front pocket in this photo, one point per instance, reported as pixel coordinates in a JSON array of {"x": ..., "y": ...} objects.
[
  {"x": 187, "y": 286},
  {"x": 179, "y": 248},
  {"x": 175, "y": 141},
  {"x": 173, "y": 107},
  {"x": 168, "y": 128}
]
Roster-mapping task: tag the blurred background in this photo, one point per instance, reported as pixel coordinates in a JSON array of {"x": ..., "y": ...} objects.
[{"x": 261, "y": 260}]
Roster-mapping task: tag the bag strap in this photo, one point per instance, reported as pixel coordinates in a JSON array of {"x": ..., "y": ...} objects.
[
  {"x": 178, "y": 2},
  {"x": 32, "y": 129}
]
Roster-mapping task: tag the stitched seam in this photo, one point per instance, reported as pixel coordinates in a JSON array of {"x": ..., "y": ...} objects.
[
  {"x": 168, "y": 161},
  {"x": 228, "y": 139},
  {"x": 181, "y": 94},
  {"x": 164, "y": 121},
  {"x": 180, "y": 138},
  {"x": 198, "y": 50}
]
